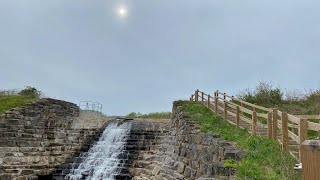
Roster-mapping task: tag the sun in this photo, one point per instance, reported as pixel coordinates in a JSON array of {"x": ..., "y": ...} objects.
[{"x": 122, "y": 11}]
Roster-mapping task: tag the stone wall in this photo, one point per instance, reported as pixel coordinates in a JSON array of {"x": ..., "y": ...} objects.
[
  {"x": 185, "y": 153},
  {"x": 36, "y": 140},
  {"x": 38, "y": 137}
]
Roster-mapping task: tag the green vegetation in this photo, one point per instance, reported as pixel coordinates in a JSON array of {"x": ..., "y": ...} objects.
[
  {"x": 11, "y": 98},
  {"x": 30, "y": 92},
  {"x": 293, "y": 102},
  {"x": 230, "y": 163},
  {"x": 263, "y": 157},
  {"x": 153, "y": 115}
]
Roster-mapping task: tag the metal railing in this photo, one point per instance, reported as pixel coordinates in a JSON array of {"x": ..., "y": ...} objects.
[{"x": 91, "y": 106}]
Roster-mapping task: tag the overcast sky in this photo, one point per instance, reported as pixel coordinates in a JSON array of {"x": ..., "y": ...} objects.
[{"x": 160, "y": 51}]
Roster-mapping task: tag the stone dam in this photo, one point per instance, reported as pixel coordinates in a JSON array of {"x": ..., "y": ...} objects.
[{"x": 55, "y": 140}]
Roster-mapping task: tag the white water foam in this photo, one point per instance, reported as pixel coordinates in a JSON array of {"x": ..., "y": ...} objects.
[{"x": 102, "y": 160}]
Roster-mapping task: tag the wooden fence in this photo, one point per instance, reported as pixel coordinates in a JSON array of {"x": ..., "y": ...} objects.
[{"x": 290, "y": 130}]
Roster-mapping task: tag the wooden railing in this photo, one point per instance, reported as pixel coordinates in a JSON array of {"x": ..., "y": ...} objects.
[{"x": 290, "y": 130}]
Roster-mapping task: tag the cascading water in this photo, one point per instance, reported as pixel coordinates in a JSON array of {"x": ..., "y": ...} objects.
[{"x": 102, "y": 161}]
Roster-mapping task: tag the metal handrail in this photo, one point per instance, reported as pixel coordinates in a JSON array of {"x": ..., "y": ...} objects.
[{"x": 91, "y": 106}]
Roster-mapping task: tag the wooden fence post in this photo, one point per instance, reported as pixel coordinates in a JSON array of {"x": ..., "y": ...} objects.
[
  {"x": 310, "y": 159},
  {"x": 241, "y": 104},
  {"x": 202, "y": 97},
  {"x": 269, "y": 125},
  {"x": 274, "y": 123},
  {"x": 196, "y": 95},
  {"x": 208, "y": 101},
  {"x": 225, "y": 109},
  {"x": 254, "y": 122},
  {"x": 216, "y": 102},
  {"x": 284, "y": 119},
  {"x": 237, "y": 116},
  {"x": 319, "y": 135},
  {"x": 303, "y": 130}
]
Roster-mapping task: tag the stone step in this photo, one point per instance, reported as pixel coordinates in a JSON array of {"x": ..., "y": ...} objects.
[
  {"x": 68, "y": 169},
  {"x": 30, "y": 166},
  {"x": 121, "y": 170},
  {"x": 31, "y": 160},
  {"x": 19, "y": 171},
  {"x": 116, "y": 176}
]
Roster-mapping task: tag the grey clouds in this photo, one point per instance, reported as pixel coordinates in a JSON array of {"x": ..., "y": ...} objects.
[{"x": 164, "y": 50}]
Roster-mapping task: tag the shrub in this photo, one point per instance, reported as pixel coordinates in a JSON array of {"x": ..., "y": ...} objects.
[
  {"x": 30, "y": 92},
  {"x": 264, "y": 93}
]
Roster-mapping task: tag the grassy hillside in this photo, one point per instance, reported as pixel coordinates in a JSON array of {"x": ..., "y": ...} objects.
[
  {"x": 11, "y": 99},
  {"x": 263, "y": 157},
  {"x": 9, "y": 102}
]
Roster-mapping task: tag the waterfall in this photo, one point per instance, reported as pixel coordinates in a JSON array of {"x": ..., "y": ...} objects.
[{"x": 102, "y": 161}]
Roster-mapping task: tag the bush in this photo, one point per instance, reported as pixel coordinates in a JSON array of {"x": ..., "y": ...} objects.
[
  {"x": 292, "y": 101},
  {"x": 264, "y": 93},
  {"x": 30, "y": 92}
]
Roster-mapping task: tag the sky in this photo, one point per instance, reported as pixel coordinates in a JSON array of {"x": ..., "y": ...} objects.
[{"x": 156, "y": 51}]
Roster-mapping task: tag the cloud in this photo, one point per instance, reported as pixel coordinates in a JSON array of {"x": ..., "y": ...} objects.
[{"x": 164, "y": 50}]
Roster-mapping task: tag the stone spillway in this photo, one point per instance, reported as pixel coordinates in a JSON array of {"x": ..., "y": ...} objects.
[
  {"x": 115, "y": 154},
  {"x": 105, "y": 159},
  {"x": 147, "y": 149}
]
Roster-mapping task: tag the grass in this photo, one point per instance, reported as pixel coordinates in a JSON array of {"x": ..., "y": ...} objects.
[
  {"x": 16, "y": 98},
  {"x": 153, "y": 115},
  {"x": 13, "y": 101},
  {"x": 263, "y": 157}
]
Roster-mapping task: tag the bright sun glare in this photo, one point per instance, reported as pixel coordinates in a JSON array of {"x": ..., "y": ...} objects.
[{"x": 122, "y": 11}]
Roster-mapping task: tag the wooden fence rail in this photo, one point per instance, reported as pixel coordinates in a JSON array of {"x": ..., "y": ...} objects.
[{"x": 290, "y": 130}]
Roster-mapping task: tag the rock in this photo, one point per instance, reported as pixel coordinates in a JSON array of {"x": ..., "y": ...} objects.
[
  {"x": 181, "y": 167},
  {"x": 5, "y": 176},
  {"x": 156, "y": 170},
  {"x": 187, "y": 172},
  {"x": 233, "y": 154},
  {"x": 210, "y": 170}
]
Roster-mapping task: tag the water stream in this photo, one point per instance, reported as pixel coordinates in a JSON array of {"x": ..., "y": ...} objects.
[{"x": 102, "y": 161}]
